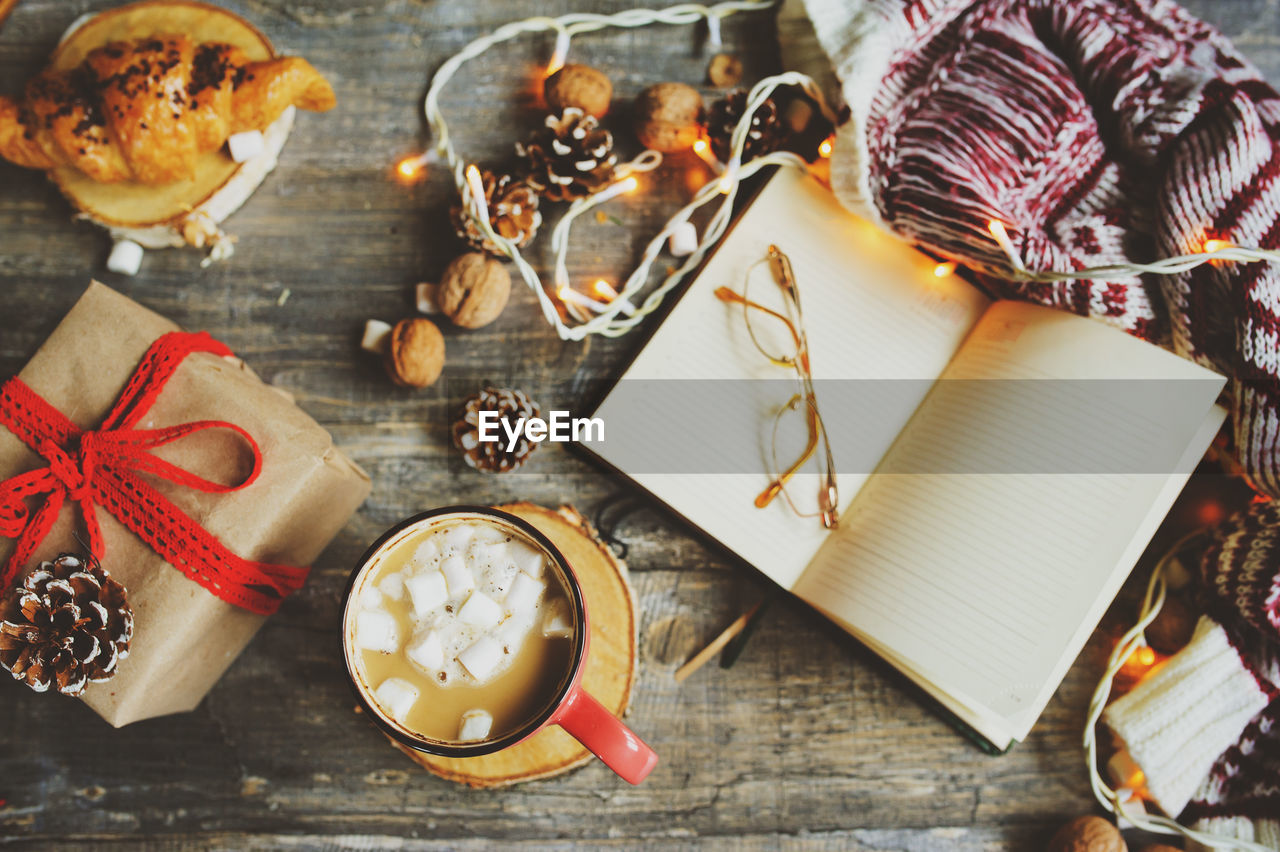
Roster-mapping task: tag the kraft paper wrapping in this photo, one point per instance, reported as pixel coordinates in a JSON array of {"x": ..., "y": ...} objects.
[{"x": 185, "y": 638}]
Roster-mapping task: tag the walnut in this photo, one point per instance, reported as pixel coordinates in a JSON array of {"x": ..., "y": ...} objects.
[
  {"x": 725, "y": 70},
  {"x": 473, "y": 290},
  {"x": 668, "y": 117},
  {"x": 415, "y": 353},
  {"x": 1088, "y": 834},
  {"x": 578, "y": 86}
]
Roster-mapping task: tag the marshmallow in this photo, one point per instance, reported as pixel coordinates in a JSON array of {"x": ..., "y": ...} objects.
[
  {"x": 392, "y": 586},
  {"x": 125, "y": 258},
  {"x": 426, "y": 299},
  {"x": 512, "y": 634},
  {"x": 558, "y": 623},
  {"x": 245, "y": 146},
  {"x": 458, "y": 537},
  {"x": 457, "y": 576},
  {"x": 376, "y": 335},
  {"x": 476, "y": 725},
  {"x": 427, "y": 591},
  {"x": 486, "y": 552},
  {"x": 481, "y": 611},
  {"x": 396, "y": 697},
  {"x": 528, "y": 559},
  {"x": 683, "y": 240},
  {"x": 427, "y": 553},
  {"x": 482, "y": 657},
  {"x": 370, "y": 597},
  {"x": 377, "y": 631},
  {"x": 1123, "y": 771},
  {"x": 427, "y": 652},
  {"x": 524, "y": 593}
]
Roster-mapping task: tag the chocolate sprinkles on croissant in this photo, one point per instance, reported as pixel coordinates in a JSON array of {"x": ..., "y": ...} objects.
[{"x": 144, "y": 110}]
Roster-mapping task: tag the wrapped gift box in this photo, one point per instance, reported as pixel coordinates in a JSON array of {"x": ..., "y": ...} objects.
[{"x": 185, "y": 637}]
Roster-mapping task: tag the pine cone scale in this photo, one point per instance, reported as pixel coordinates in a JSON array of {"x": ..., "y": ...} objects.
[
  {"x": 764, "y": 133},
  {"x": 513, "y": 214},
  {"x": 570, "y": 157}
]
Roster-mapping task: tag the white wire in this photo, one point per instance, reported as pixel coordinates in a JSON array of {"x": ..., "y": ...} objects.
[
  {"x": 1130, "y": 642},
  {"x": 613, "y": 323},
  {"x": 1164, "y": 266}
]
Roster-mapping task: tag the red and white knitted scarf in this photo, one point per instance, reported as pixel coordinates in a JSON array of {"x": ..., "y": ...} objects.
[{"x": 1099, "y": 131}]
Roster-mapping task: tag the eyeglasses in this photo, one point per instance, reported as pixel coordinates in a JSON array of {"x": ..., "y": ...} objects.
[{"x": 776, "y": 326}]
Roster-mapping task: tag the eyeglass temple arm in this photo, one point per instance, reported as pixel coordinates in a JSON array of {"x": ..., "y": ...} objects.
[
  {"x": 725, "y": 294},
  {"x": 773, "y": 489}
]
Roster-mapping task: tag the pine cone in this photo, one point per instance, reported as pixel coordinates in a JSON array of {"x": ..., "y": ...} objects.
[
  {"x": 513, "y": 213},
  {"x": 764, "y": 135},
  {"x": 569, "y": 158},
  {"x": 68, "y": 623},
  {"x": 492, "y": 456}
]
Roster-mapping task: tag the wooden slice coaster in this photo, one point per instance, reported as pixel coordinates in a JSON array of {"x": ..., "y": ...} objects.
[
  {"x": 611, "y": 662},
  {"x": 133, "y": 205}
]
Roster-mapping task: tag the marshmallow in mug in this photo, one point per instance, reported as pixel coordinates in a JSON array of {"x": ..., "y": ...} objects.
[{"x": 475, "y": 594}]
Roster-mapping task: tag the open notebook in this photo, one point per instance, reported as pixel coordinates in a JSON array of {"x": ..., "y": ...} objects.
[{"x": 975, "y": 563}]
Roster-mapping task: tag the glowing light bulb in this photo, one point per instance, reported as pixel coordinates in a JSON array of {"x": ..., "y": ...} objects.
[
  {"x": 559, "y": 53},
  {"x": 1210, "y": 246},
  {"x": 605, "y": 291},
  {"x": 725, "y": 185},
  {"x": 410, "y": 169},
  {"x": 1144, "y": 656},
  {"x": 827, "y": 146},
  {"x": 942, "y": 270},
  {"x": 623, "y": 186},
  {"x": 703, "y": 149},
  {"x": 1210, "y": 513},
  {"x": 570, "y": 296}
]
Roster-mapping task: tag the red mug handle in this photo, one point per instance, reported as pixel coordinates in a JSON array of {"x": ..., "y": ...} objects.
[{"x": 588, "y": 722}]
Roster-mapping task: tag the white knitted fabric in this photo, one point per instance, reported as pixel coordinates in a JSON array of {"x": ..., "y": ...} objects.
[
  {"x": 1263, "y": 831},
  {"x": 1177, "y": 724}
]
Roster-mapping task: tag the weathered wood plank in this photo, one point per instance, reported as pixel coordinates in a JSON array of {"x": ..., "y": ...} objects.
[{"x": 809, "y": 742}]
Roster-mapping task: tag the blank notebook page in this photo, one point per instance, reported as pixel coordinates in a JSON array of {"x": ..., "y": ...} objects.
[
  {"x": 981, "y": 580},
  {"x": 872, "y": 309}
]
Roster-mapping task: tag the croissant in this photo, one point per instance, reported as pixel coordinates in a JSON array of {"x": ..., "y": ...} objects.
[{"x": 144, "y": 110}]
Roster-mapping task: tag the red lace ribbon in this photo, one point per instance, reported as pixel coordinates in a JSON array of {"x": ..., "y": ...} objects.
[{"x": 105, "y": 467}]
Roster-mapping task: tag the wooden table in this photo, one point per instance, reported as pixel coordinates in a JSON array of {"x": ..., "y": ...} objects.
[{"x": 808, "y": 741}]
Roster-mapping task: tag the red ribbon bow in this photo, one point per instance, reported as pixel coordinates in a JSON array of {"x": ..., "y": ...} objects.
[{"x": 103, "y": 467}]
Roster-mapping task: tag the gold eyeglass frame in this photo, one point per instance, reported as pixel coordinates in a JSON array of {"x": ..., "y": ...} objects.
[{"x": 828, "y": 497}]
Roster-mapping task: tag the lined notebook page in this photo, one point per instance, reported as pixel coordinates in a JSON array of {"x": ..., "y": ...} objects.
[
  {"x": 987, "y": 584},
  {"x": 872, "y": 309}
]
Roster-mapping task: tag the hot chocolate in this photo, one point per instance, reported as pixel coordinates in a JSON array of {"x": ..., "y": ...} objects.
[{"x": 461, "y": 631}]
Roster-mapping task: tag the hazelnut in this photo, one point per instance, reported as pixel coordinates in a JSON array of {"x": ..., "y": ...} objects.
[
  {"x": 668, "y": 117},
  {"x": 725, "y": 70},
  {"x": 473, "y": 290},
  {"x": 1088, "y": 834},
  {"x": 415, "y": 353},
  {"x": 578, "y": 86},
  {"x": 1173, "y": 625}
]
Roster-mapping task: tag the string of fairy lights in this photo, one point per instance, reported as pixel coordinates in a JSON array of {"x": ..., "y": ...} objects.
[
  {"x": 1133, "y": 652},
  {"x": 612, "y": 312},
  {"x": 605, "y": 310}
]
